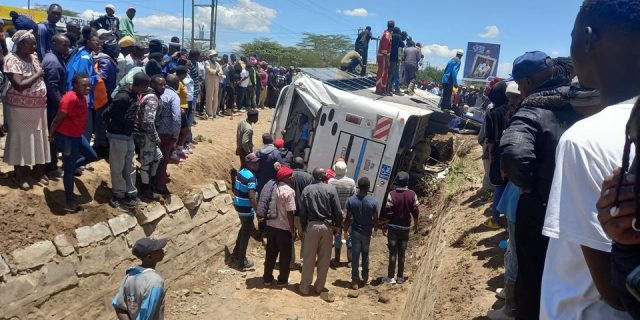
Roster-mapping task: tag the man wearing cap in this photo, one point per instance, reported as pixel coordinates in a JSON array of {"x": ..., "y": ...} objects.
[
  {"x": 126, "y": 23},
  {"x": 244, "y": 136},
  {"x": 286, "y": 156},
  {"x": 245, "y": 202},
  {"x": 126, "y": 47},
  {"x": 108, "y": 21},
  {"x": 47, "y": 29},
  {"x": 527, "y": 150},
  {"x": 281, "y": 228},
  {"x": 450, "y": 79},
  {"x": 213, "y": 71},
  {"x": 346, "y": 188},
  {"x": 141, "y": 294},
  {"x": 320, "y": 217},
  {"x": 401, "y": 207}
]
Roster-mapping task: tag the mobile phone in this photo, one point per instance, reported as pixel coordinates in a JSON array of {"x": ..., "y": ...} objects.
[{"x": 633, "y": 283}]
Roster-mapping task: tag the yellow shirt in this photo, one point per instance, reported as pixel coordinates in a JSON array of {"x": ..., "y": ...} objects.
[{"x": 182, "y": 93}]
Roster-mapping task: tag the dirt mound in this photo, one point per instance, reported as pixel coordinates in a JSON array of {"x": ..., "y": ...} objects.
[{"x": 34, "y": 215}]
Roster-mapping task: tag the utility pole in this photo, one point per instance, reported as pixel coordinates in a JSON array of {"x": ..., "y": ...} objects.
[{"x": 212, "y": 26}]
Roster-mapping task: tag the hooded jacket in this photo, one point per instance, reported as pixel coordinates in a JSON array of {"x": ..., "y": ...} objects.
[
  {"x": 107, "y": 70},
  {"x": 120, "y": 116},
  {"x": 528, "y": 145}
]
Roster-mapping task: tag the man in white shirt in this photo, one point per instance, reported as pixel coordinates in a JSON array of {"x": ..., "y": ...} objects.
[
  {"x": 242, "y": 89},
  {"x": 576, "y": 283}
]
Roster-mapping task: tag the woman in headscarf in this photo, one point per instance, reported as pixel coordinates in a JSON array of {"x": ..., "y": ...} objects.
[{"x": 27, "y": 143}]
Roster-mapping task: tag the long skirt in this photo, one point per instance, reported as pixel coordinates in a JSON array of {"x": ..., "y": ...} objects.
[
  {"x": 383, "y": 74},
  {"x": 27, "y": 140}
]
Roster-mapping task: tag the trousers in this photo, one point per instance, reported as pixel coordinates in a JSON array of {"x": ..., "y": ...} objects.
[
  {"x": 317, "y": 253},
  {"x": 123, "y": 171},
  {"x": 278, "y": 243},
  {"x": 76, "y": 151},
  {"x": 397, "y": 242},
  {"x": 242, "y": 241},
  {"x": 211, "y": 95}
]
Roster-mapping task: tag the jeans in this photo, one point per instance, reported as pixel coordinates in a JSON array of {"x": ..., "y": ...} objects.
[
  {"x": 497, "y": 194},
  {"x": 278, "y": 243},
  {"x": 251, "y": 97},
  {"x": 242, "y": 97},
  {"x": 394, "y": 77},
  {"x": 397, "y": 243},
  {"x": 190, "y": 120},
  {"x": 337, "y": 240},
  {"x": 359, "y": 246},
  {"x": 510, "y": 256},
  {"x": 531, "y": 249},
  {"x": 242, "y": 241},
  {"x": 76, "y": 151},
  {"x": 167, "y": 144},
  {"x": 123, "y": 171}
]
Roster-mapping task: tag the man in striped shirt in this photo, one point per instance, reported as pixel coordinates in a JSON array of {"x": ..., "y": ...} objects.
[
  {"x": 245, "y": 203},
  {"x": 346, "y": 187}
]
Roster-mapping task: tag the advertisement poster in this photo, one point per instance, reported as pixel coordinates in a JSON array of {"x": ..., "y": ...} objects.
[{"x": 481, "y": 61}]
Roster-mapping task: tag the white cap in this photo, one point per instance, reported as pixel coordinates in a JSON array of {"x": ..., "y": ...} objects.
[
  {"x": 512, "y": 87},
  {"x": 102, "y": 32},
  {"x": 460, "y": 52},
  {"x": 340, "y": 168},
  {"x": 110, "y": 6}
]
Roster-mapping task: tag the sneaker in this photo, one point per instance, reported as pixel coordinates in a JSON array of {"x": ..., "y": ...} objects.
[
  {"x": 119, "y": 203},
  {"x": 500, "y": 293},
  {"x": 389, "y": 280},
  {"x": 72, "y": 207},
  {"x": 246, "y": 265},
  {"x": 57, "y": 173},
  {"x": 400, "y": 280},
  {"x": 491, "y": 224},
  {"x": 134, "y": 202}
]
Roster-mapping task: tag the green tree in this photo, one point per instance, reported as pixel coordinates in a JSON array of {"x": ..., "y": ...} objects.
[
  {"x": 430, "y": 73},
  {"x": 45, "y": 7},
  {"x": 330, "y": 48}
]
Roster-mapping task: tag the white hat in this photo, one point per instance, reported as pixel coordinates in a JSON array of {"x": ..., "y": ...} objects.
[
  {"x": 340, "y": 168},
  {"x": 102, "y": 32},
  {"x": 459, "y": 52},
  {"x": 110, "y": 6},
  {"x": 512, "y": 87}
]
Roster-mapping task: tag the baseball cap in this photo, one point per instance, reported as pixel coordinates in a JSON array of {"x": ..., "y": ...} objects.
[
  {"x": 126, "y": 41},
  {"x": 102, "y": 32},
  {"x": 460, "y": 52},
  {"x": 251, "y": 157},
  {"x": 529, "y": 64},
  {"x": 340, "y": 168},
  {"x": 512, "y": 87},
  {"x": 110, "y": 6},
  {"x": 145, "y": 246}
]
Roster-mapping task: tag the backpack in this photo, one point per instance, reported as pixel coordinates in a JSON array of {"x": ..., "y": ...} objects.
[{"x": 271, "y": 211}]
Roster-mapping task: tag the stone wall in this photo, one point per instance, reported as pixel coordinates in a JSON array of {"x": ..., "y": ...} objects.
[{"x": 76, "y": 277}]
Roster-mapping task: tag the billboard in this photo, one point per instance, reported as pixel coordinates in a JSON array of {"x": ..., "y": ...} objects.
[
  {"x": 37, "y": 16},
  {"x": 481, "y": 61}
]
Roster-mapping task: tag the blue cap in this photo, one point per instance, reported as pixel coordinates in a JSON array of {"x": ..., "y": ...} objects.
[{"x": 529, "y": 64}]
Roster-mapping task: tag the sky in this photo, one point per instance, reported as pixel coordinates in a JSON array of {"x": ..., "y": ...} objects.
[{"x": 442, "y": 26}]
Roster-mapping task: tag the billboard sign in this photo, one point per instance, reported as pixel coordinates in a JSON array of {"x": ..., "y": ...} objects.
[{"x": 481, "y": 61}]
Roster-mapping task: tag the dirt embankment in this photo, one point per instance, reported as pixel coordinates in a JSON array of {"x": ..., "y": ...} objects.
[
  {"x": 461, "y": 264},
  {"x": 30, "y": 216}
]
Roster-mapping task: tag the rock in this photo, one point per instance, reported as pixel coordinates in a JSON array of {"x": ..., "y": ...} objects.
[
  {"x": 17, "y": 288},
  {"x": 384, "y": 298},
  {"x": 173, "y": 204},
  {"x": 210, "y": 291},
  {"x": 328, "y": 296},
  {"x": 122, "y": 224},
  {"x": 197, "y": 291},
  {"x": 134, "y": 235},
  {"x": 224, "y": 210},
  {"x": 221, "y": 185},
  {"x": 183, "y": 298},
  {"x": 56, "y": 273},
  {"x": 87, "y": 236},
  {"x": 292, "y": 317},
  {"x": 63, "y": 245},
  {"x": 228, "y": 199},
  {"x": 184, "y": 292},
  {"x": 208, "y": 192},
  {"x": 33, "y": 256},
  {"x": 194, "y": 201},
  {"x": 151, "y": 213},
  {"x": 238, "y": 286},
  {"x": 353, "y": 293},
  {"x": 4, "y": 269},
  {"x": 102, "y": 258},
  {"x": 225, "y": 271},
  {"x": 267, "y": 314}
]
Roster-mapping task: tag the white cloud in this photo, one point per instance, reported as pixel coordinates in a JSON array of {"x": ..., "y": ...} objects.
[
  {"x": 490, "y": 32},
  {"x": 438, "y": 50},
  {"x": 504, "y": 69},
  {"x": 229, "y": 47},
  {"x": 90, "y": 14},
  {"x": 357, "y": 12},
  {"x": 555, "y": 53},
  {"x": 245, "y": 15}
]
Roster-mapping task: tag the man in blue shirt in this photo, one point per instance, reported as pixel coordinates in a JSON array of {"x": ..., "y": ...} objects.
[
  {"x": 362, "y": 216},
  {"x": 246, "y": 204},
  {"x": 141, "y": 294},
  {"x": 450, "y": 79},
  {"x": 47, "y": 29}
]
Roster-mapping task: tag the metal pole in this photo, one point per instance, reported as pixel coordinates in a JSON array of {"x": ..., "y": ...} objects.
[
  {"x": 211, "y": 40},
  {"x": 193, "y": 21},
  {"x": 182, "y": 41},
  {"x": 215, "y": 23},
  {"x": 29, "y": 5}
]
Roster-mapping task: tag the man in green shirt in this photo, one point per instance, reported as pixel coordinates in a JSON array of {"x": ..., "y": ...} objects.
[
  {"x": 126, "y": 23},
  {"x": 244, "y": 136}
]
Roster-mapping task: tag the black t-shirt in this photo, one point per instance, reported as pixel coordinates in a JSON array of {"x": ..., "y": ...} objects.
[{"x": 396, "y": 44}]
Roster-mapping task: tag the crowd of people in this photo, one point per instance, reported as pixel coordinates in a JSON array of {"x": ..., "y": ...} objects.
[{"x": 143, "y": 98}]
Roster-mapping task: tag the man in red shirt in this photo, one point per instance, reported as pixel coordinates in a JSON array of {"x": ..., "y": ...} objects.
[
  {"x": 384, "y": 55},
  {"x": 67, "y": 131}
]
